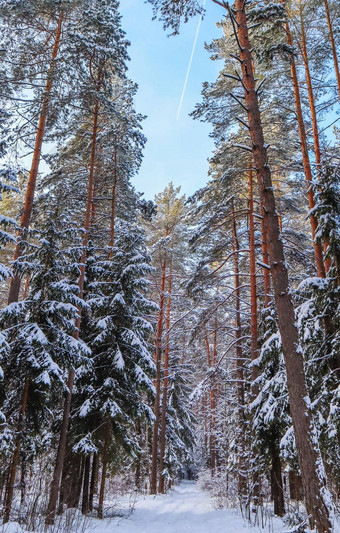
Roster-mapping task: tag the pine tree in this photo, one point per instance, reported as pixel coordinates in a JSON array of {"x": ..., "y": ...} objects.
[{"x": 39, "y": 331}]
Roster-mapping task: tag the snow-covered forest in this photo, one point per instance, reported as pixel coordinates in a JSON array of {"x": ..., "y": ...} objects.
[{"x": 191, "y": 337}]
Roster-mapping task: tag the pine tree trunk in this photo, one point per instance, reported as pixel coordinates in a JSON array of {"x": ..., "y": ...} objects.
[
  {"x": 316, "y": 138},
  {"x": 253, "y": 324},
  {"x": 276, "y": 479},
  {"x": 242, "y": 481},
  {"x": 85, "y": 502},
  {"x": 51, "y": 508},
  {"x": 165, "y": 388},
  {"x": 77, "y": 482},
  {"x": 94, "y": 480},
  {"x": 305, "y": 159},
  {"x": 265, "y": 260},
  {"x": 32, "y": 179},
  {"x": 204, "y": 399},
  {"x": 209, "y": 414},
  {"x": 307, "y": 446},
  {"x": 253, "y": 289},
  {"x": 58, "y": 467},
  {"x": 138, "y": 471},
  {"x": 295, "y": 486},
  {"x": 311, "y": 99},
  {"x": 331, "y": 37},
  {"x": 213, "y": 399},
  {"x": 104, "y": 468},
  {"x": 158, "y": 358},
  {"x": 113, "y": 202},
  {"x": 70, "y": 480},
  {"x": 24, "y": 225},
  {"x": 278, "y": 202},
  {"x": 16, "y": 454},
  {"x": 63, "y": 490},
  {"x": 23, "y": 482}
]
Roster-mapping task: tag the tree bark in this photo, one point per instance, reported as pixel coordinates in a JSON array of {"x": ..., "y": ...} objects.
[
  {"x": 253, "y": 288},
  {"x": 165, "y": 387},
  {"x": 85, "y": 501},
  {"x": 316, "y": 138},
  {"x": 242, "y": 481},
  {"x": 265, "y": 260},
  {"x": 307, "y": 446},
  {"x": 78, "y": 484},
  {"x": 295, "y": 486},
  {"x": 305, "y": 159},
  {"x": 23, "y": 481},
  {"x": 210, "y": 407},
  {"x": 66, "y": 480},
  {"x": 113, "y": 203},
  {"x": 104, "y": 468},
  {"x": 253, "y": 325},
  {"x": 213, "y": 398},
  {"x": 276, "y": 479},
  {"x": 158, "y": 358},
  {"x": 331, "y": 37},
  {"x": 32, "y": 179}
]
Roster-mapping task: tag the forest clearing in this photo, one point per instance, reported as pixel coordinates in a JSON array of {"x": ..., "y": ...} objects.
[{"x": 169, "y": 360}]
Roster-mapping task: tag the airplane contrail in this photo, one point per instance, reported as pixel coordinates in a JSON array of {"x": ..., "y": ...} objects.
[{"x": 190, "y": 63}]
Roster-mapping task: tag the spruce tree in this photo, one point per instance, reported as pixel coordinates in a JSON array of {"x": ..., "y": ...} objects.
[{"x": 39, "y": 331}]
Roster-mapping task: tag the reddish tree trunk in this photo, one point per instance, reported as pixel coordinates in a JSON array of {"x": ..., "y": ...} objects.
[
  {"x": 242, "y": 486},
  {"x": 23, "y": 481},
  {"x": 165, "y": 388},
  {"x": 253, "y": 323},
  {"x": 253, "y": 289},
  {"x": 158, "y": 359},
  {"x": 24, "y": 225},
  {"x": 213, "y": 398},
  {"x": 278, "y": 202},
  {"x": 306, "y": 161},
  {"x": 331, "y": 37},
  {"x": 316, "y": 138},
  {"x": 32, "y": 179},
  {"x": 310, "y": 90},
  {"x": 307, "y": 447},
  {"x": 295, "y": 486},
  {"x": 265, "y": 260},
  {"x": 113, "y": 203}
]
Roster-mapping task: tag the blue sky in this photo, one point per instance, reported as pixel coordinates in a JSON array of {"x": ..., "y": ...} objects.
[{"x": 177, "y": 150}]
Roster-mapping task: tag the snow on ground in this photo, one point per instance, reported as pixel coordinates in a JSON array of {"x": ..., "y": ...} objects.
[{"x": 186, "y": 509}]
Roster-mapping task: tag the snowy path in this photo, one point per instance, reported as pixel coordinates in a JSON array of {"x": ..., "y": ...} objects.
[{"x": 186, "y": 509}]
